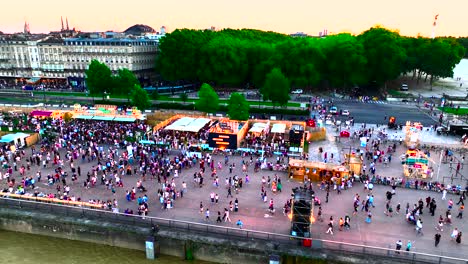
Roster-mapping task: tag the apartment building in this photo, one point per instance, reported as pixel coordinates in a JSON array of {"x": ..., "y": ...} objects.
[{"x": 62, "y": 57}]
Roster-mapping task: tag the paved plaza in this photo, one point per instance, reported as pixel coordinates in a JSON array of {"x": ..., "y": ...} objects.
[{"x": 384, "y": 231}]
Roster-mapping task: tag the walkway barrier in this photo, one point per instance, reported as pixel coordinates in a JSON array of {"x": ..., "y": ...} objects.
[
  {"x": 50, "y": 200},
  {"x": 325, "y": 246}
]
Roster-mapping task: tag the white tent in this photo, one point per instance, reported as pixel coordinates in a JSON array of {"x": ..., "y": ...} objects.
[
  {"x": 258, "y": 128},
  {"x": 278, "y": 128},
  {"x": 188, "y": 124}
]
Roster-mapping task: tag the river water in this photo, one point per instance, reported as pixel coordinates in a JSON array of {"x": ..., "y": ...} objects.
[{"x": 21, "y": 248}]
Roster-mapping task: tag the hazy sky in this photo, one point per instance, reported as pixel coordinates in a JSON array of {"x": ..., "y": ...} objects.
[{"x": 410, "y": 17}]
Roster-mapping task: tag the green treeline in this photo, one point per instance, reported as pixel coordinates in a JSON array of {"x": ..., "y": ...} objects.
[
  {"x": 244, "y": 58},
  {"x": 464, "y": 42}
]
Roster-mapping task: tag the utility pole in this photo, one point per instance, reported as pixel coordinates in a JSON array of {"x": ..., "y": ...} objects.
[
  {"x": 434, "y": 25},
  {"x": 440, "y": 163}
]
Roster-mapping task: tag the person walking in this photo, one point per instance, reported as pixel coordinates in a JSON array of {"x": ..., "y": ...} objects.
[
  {"x": 458, "y": 239},
  {"x": 460, "y": 211},
  {"x": 319, "y": 214},
  {"x": 408, "y": 245},
  {"x": 226, "y": 215},
  {"x": 239, "y": 223},
  {"x": 437, "y": 239},
  {"x": 454, "y": 233},
  {"x": 347, "y": 220},
  {"x": 207, "y": 215},
  {"x": 419, "y": 227},
  {"x": 218, "y": 220},
  {"x": 444, "y": 194},
  {"x": 461, "y": 199},
  {"x": 399, "y": 244},
  {"x": 330, "y": 228},
  {"x": 341, "y": 224}
]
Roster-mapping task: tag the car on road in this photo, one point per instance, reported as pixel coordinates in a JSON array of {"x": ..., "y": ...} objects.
[
  {"x": 329, "y": 120},
  {"x": 333, "y": 110},
  {"x": 345, "y": 112},
  {"x": 404, "y": 87},
  {"x": 297, "y": 91},
  {"x": 442, "y": 131}
]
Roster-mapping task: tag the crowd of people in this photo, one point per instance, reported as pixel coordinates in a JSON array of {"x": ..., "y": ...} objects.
[{"x": 104, "y": 156}]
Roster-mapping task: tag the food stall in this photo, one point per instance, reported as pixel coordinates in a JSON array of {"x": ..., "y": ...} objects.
[{"x": 316, "y": 171}]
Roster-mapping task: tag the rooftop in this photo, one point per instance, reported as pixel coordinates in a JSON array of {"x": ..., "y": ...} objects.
[{"x": 139, "y": 29}]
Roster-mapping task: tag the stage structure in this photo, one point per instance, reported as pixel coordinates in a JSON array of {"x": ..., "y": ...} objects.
[{"x": 302, "y": 212}]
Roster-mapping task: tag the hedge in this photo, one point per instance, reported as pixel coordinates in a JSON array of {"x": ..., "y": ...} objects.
[{"x": 222, "y": 108}]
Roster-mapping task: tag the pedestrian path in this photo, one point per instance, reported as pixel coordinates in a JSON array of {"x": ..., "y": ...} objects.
[{"x": 347, "y": 100}]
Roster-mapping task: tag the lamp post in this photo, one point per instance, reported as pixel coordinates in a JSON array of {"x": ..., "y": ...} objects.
[{"x": 43, "y": 95}]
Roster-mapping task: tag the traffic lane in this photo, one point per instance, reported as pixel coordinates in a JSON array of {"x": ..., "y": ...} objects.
[{"x": 375, "y": 113}]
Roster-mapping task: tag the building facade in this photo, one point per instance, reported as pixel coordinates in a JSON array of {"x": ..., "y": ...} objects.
[
  {"x": 62, "y": 59},
  {"x": 137, "y": 55}
]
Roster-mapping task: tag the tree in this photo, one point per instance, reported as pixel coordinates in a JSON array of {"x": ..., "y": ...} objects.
[
  {"x": 276, "y": 88},
  {"x": 345, "y": 60},
  {"x": 67, "y": 117},
  {"x": 385, "y": 54},
  {"x": 155, "y": 95},
  {"x": 140, "y": 98},
  {"x": 208, "y": 101},
  {"x": 124, "y": 81},
  {"x": 183, "y": 97},
  {"x": 238, "y": 107},
  {"x": 98, "y": 78},
  {"x": 440, "y": 58}
]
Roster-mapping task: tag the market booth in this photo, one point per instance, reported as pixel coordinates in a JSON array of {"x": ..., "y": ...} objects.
[
  {"x": 316, "y": 171},
  {"x": 107, "y": 113},
  {"x": 416, "y": 164},
  {"x": 354, "y": 163},
  {"x": 17, "y": 139}
]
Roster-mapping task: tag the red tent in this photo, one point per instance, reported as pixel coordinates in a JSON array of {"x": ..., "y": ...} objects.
[{"x": 38, "y": 113}]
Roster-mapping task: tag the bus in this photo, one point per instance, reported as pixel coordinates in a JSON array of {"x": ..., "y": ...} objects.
[{"x": 171, "y": 89}]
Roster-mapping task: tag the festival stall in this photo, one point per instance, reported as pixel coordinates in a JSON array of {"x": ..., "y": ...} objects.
[
  {"x": 260, "y": 129},
  {"x": 416, "y": 164},
  {"x": 107, "y": 113},
  {"x": 316, "y": 171},
  {"x": 354, "y": 163},
  {"x": 17, "y": 139}
]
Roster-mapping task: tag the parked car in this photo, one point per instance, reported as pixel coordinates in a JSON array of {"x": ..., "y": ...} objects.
[
  {"x": 404, "y": 87},
  {"x": 345, "y": 112},
  {"x": 442, "y": 131},
  {"x": 344, "y": 133},
  {"x": 333, "y": 110},
  {"x": 297, "y": 91}
]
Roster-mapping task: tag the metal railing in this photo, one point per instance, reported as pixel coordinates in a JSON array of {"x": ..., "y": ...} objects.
[{"x": 230, "y": 232}]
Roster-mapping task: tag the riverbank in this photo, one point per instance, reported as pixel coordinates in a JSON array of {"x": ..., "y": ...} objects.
[{"x": 22, "y": 248}]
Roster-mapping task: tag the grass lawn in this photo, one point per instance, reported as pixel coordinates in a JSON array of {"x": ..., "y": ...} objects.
[
  {"x": 454, "y": 111},
  {"x": 252, "y": 103},
  {"x": 396, "y": 93}
]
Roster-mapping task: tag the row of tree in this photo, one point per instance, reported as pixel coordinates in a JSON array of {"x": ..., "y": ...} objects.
[
  {"x": 100, "y": 80},
  {"x": 244, "y": 58},
  {"x": 208, "y": 102}
]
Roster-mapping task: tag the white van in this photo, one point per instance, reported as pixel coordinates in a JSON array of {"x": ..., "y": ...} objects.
[{"x": 404, "y": 87}]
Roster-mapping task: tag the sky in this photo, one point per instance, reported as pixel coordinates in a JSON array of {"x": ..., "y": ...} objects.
[{"x": 409, "y": 17}]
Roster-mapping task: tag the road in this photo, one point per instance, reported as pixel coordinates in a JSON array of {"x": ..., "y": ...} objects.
[{"x": 372, "y": 113}]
